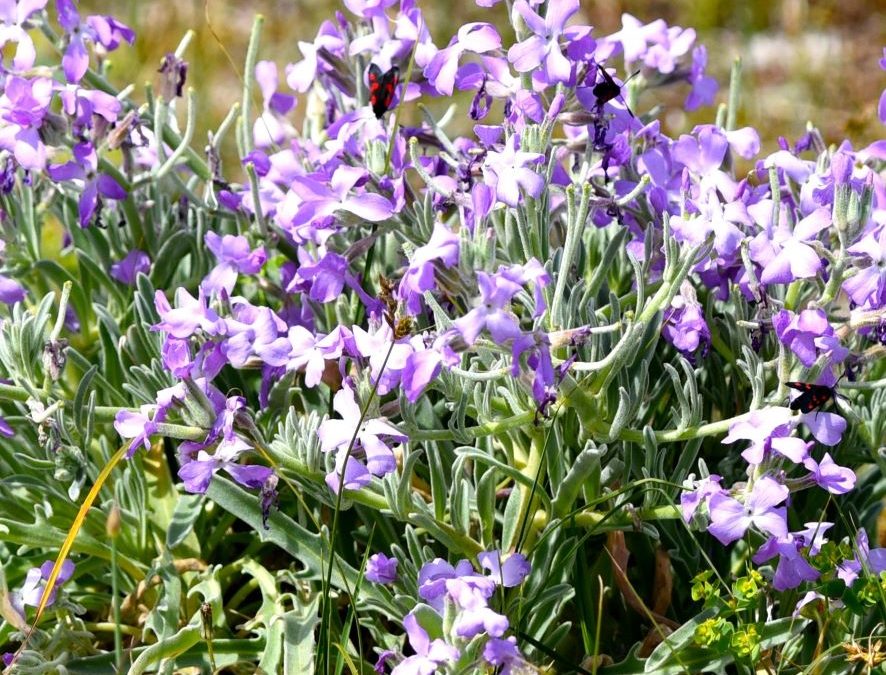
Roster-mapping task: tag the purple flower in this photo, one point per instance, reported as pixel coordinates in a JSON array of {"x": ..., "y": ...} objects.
[
  {"x": 23, "y": 106},
  {"x": 704, "y": 88},
  {"x": 792, "y": 569},
  {"x": 318, "y": 198},
  {"x": 472, "y": 37},
  {"x": 504, "y": 652},
  {"x": 496, "y": 292},
  {"x": 35, "y": 582},
  {"x": 702, "y": 491},
  {"x": 730, "y": 519},
  {"x": 196, "y": 473},
  {"x": 381, "y": 569},
  {"x": 126, "y": 270},
  {"x": 507, "y": 572},
  {"x": 429, "y": 654},
  {"x": 5, "y": 429},
  {"x": 425, "y": 363},
  {"x": 508, "y": 171},
  {"x": 827, "y": 427},
  {"x": 375, "y": 347},
  {"x": 13, "y": 15},
  {"x": 83, "y": 168},
  {"x": 543, "y": 47},
  {"x": 189, "y": 315},
  {"x": 104, "y": 30},
  {"x": 657, "y": 44},
  {"x": 867, "y": 288},
  {"x": 255, "y": 331},
  {"x": 684, "y": 325},
  {"x": 11, "y": 291},
  {"x": 786, "y": 254},
  {"x": 768, "y": 429},
  {"x": 812, "y": 596},
  {"x": 234, "y": 257},
  {"x": 138, "y": 426},
  {"x": 270, "y": 128},
  {"x": 324, "y": 278},
  {"x": 870, "y": 560},
  {"x": 310, "y": 352},
  {"x": 830, "y": 476},
  {"x": 419, "y": 277},
  {"x": 800, "y": 332},
  {"x": 371, "y": 440},
  {"x": 703, "y": 153}
]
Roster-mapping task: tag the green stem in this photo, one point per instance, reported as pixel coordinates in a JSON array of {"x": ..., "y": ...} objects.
[{"x": 248, "y": 77}]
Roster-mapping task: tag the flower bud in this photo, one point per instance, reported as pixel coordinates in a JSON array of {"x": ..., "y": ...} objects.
[{"x": 114, "y": 521}]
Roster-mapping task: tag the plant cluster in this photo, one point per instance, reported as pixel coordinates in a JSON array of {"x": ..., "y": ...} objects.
[{"x": 513, "y": 383}]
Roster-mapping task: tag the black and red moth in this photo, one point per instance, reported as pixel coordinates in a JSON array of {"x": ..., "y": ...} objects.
[
  {"x": 812, "y": 396},
  {"x": 381, "y": 88}
]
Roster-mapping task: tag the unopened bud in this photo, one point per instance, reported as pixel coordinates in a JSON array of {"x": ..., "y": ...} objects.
[{"x": 114, "y": 521}]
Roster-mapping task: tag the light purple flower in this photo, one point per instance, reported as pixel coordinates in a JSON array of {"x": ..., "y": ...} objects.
[
  {"x": 5, "y": 429},
  {"x": 126, "y": 270},
  {"x": 84, "y": 169},
  {"x": 684, "y": 325},
  {"x": 827, "y": 427},
  {"x": 425, "y": 363},
  {"x": 234, "y": 257},
  {"x": 31, "y": 592},
  {"x": 700, "y": 493},
  {"x": 11, "y": 291},
  {"x": 509, "y": 571},
  {"x": 311, "y": 352},
  {"x": 830, "y": 476},
  {"x": 702, "y": 153},
  {"x": 381, "y": 569},
  {"x": 543, "y": 47},
  {"x": 104, "y": 30},
  {"x": 196, "y": 473},
  {"x": 792, "y": 568},
  {"x": 255, "y": 331},
  {"x": 189, "y": 315},
  {"x": 429, "y": 654},
  {"x": 271, "y": 128},
  {"x": 23, "y": 105},
  {"x": 730, "y": 519},
  {"x": 872, "y": 561},
  {"x": 800, "y": 331},
  {"x": 504, "y": 652},
  {"x": 139, "y": 426},
  {"x": 323, "y": 278},
  {"x": 13, "y": 14},
  {"x": 419, "y": 277},
  {"x": 704, "y": 88},
  {"x": 319, "y": 198},
  {"x": 786, "y": 253},
  {"x": 477, "y": 38},
  {"x": 768, "y": 429},
  {"x": 371, "y": 440},
  {"x": 867, "y": 287},
  {"x": 509, "y": 170}
]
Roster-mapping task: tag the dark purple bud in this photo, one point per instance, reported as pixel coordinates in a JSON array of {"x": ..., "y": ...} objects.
[
  {"x": 268, "y": 498},
  {"x": 481, "y": 103},
  {"x": 174, "y": 71}
]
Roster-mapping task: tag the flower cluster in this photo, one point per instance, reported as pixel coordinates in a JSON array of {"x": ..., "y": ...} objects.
[{"x": 462, "y": 594}]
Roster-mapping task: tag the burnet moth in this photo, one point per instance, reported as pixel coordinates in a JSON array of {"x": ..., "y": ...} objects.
[
  {"x": 381, "y": 88},
  {"x": 812, "y": 396}
]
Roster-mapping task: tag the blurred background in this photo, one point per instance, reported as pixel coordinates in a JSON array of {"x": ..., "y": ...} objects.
[{"x": 802, "y": 60}]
